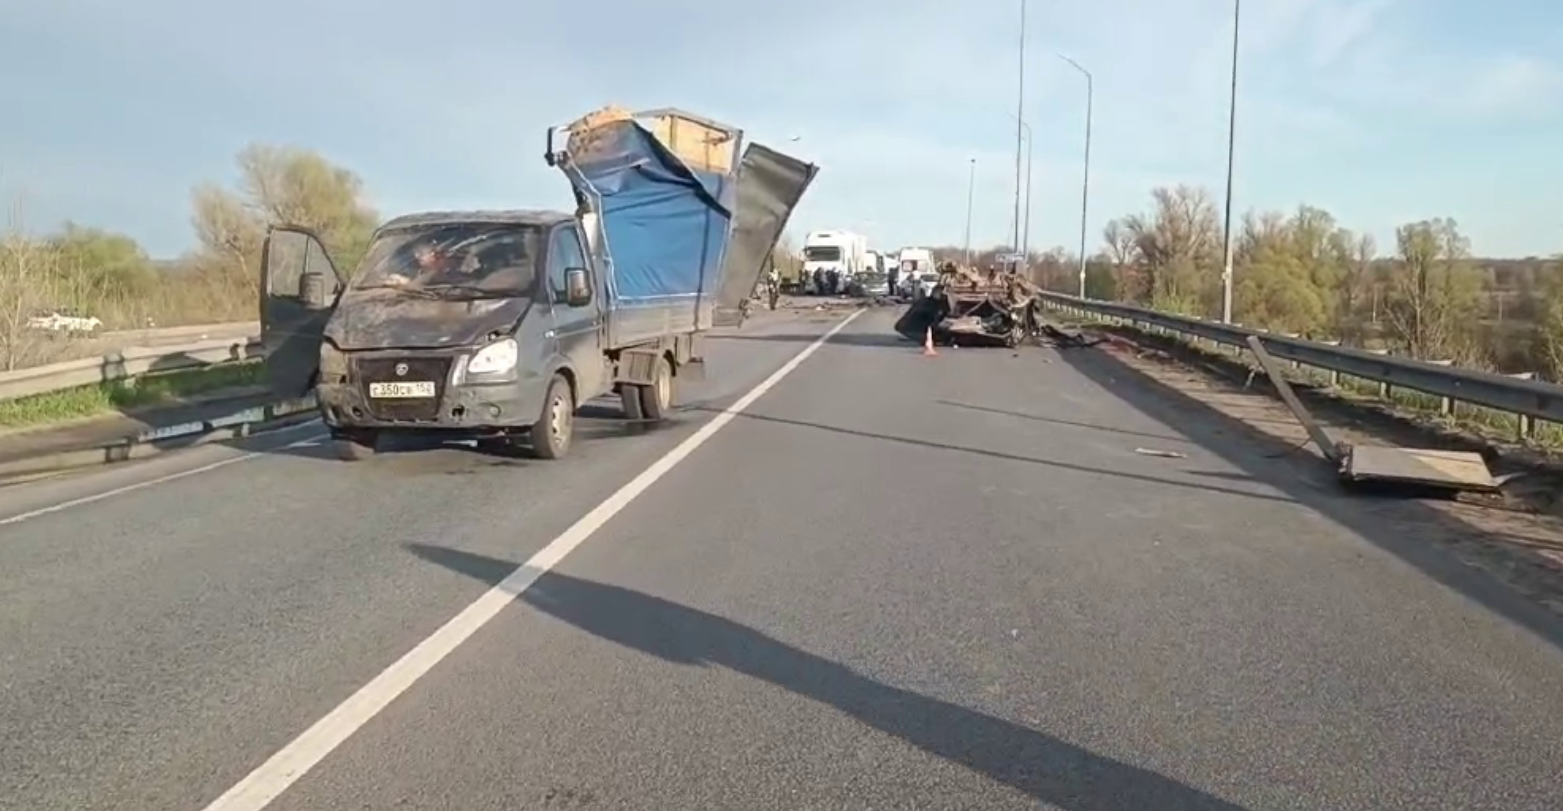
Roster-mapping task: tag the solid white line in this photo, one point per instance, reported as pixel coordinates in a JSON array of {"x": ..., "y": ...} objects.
[
  {"x": 141, "y": 485},
  {"x": 303, "y": 753}
]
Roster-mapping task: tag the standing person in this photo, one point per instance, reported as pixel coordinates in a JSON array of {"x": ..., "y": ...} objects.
[
  {"x": 819, "y": 282},
  {"x": 893, "y": 280},
  {"x": 773, "y": 282}
]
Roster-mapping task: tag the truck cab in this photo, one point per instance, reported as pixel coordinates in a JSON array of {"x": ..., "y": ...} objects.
[{"x": 498, "y": 325}]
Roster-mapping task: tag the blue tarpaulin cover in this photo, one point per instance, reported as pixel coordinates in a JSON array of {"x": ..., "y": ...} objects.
[{"x": 666, "y": 225}]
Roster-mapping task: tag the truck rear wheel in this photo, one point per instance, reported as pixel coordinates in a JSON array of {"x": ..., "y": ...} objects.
[
  {"x": 656, "y": 400},
  {"x": 554, "y": 430},
  {"x": 629, "y": 399}
]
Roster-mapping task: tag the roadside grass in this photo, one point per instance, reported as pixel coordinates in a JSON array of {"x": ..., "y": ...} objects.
[{"x": 108, "y": 397}]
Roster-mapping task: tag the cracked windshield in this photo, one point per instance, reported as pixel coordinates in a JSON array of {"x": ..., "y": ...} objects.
[
  {"x": 1129, "y": 406},
  {"x": 459, "y": 260}
]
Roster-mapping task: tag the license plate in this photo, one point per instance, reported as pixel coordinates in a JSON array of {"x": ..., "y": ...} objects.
[{"x": 402, "y": 390}]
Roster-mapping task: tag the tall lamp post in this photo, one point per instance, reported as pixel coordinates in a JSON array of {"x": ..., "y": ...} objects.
[
  {"x": 1020, "y": 119},
  {"x": 971, "y": 190},
  {"x": 1023, "y": 246},
  {"x": 1226, "y": 248},
  {"x": 1085, "y": 174}
]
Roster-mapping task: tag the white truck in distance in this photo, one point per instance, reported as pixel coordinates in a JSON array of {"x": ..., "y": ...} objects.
[{"x": 831, "y": 259}]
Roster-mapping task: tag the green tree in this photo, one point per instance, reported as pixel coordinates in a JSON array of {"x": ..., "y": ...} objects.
[
  {"x": 1434, "y": 297},
  {"x": 101, "y": 266},
  {"x": 1547, "y": 338},
  {"x": 277, "y": 185}
]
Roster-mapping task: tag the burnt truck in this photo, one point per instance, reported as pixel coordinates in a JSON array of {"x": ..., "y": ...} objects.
[{"x": 497, "y": 326}]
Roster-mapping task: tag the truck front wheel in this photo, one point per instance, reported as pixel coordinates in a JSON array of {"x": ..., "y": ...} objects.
[{"x": 554, "y": 430}]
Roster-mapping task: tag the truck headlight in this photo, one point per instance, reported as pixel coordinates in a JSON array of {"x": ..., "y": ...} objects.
[{"x": 499, "y": 356}]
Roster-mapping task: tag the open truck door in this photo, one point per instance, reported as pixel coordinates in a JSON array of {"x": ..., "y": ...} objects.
[
  {"x": 770, "y": 185},
  {"x": 299, "y": 287}
]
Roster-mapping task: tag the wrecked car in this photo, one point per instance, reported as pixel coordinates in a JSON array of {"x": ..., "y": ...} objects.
[{"x": 972, "y": 309}]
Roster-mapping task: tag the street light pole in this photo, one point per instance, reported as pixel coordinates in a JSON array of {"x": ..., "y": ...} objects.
[
  {"x": 1025, "y": 236},
  {"x": 1085, "y": 174},
  {"x": 1226, "y": 248},
  {"x": 971, "y": 190},
  {"x": 1020, "y": 121},
  {"x": 1024, "y": 246}
]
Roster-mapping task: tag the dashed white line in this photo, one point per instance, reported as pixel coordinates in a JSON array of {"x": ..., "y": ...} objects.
[
  {"x": 298, "y": 757},
  {"x": 142, "y": 485}
]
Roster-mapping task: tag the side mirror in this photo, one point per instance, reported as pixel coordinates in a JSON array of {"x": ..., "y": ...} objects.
[{"x": 577, "y": 287}]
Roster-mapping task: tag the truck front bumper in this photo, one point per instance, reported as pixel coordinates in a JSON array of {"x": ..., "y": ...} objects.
[{"x": 461, "y": 407}]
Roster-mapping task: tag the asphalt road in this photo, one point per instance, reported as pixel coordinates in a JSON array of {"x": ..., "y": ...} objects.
[{"x": 889, "y": 582}]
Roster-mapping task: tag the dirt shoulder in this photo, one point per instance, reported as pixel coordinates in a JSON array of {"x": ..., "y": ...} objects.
[{"x": 1516, "y": 538}]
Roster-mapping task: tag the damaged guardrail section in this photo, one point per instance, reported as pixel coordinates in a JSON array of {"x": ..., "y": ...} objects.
[{"x": 1527, "y": 398}]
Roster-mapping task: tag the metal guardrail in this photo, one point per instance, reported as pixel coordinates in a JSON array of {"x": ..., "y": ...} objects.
[
  {"x": 1513, "y": 394},
  {"x": 125, "y": 363},
  {"x": 188, "y": 333}
]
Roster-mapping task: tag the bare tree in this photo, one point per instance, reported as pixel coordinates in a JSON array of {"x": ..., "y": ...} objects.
[
  {"x": 1356, "y": 287},
  {"x": 1179, "y": 244},
  {"x": 27, "y": 274},
  {"x": 1123, "y": 257}
]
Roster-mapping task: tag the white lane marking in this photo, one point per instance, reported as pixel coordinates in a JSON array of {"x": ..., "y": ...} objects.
[
  {"x": 141, "y": 485},
  {"x": 293, "y": 761}
]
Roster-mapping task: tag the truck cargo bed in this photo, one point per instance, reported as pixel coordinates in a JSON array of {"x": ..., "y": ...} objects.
[{"x": 681, "y": 224}]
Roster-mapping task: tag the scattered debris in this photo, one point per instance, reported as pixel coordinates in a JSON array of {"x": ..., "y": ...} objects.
[
  {"x": 1414, "y": 468},
  {"x": 1069, "y": 337},
  {"x": 1160, "y": 453}
]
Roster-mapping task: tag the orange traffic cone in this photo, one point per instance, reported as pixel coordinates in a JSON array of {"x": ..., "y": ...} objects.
[{"x": 928, "y": 350}]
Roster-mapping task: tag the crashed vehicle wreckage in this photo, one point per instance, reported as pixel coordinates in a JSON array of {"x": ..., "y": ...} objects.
[
  {"x": 495, "y": 326},
  {"x": 970, "y": 309}
]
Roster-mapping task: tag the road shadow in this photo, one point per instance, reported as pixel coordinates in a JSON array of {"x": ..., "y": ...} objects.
[
  {"x": 1407, "y": 529},
  {"x": 1012, "y": 457},
  {"x": 1042, "y": 766},
  {"x": 172, "y": 377},
  {"x": 1055, "y": 421}
]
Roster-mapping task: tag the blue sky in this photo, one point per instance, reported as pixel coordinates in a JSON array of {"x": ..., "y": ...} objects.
[{"x": 1382, "y": 111}]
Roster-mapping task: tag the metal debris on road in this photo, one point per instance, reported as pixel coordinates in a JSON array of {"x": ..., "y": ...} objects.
[{"x": 1160, "y": 453}]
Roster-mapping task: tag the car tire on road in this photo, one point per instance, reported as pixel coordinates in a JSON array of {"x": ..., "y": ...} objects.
[{"x": 554, "y": 430}]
